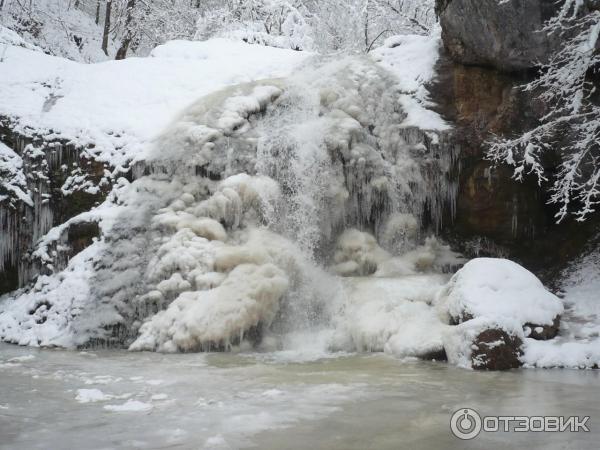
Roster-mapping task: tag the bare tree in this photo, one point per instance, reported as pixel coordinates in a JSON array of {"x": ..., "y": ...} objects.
[
  {"x": 106, "y": 33},
  {"x": 129, "y": 30}
]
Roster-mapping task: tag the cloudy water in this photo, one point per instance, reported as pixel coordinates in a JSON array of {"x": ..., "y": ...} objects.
[{"x": 54, "y": 399}]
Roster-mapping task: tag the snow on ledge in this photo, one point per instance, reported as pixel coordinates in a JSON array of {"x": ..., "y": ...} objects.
[
  {"x": 412, "y": 59},
  {"x": 119, "y": 106}
]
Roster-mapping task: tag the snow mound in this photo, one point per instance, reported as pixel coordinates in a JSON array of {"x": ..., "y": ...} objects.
[{"x": 498, "y": 289}]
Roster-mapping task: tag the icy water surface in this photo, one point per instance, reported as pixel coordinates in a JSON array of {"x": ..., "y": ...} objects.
[{"x": 54, "y": 399}]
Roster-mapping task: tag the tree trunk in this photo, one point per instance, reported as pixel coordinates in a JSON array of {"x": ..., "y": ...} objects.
[
  {"x": 106, "y": 27},
  {"x": 98, "y": 12},
  {"x": 122, "y": 52}
]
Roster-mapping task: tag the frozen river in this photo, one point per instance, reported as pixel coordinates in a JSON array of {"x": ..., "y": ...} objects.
[{"x": 54, "y": 399}]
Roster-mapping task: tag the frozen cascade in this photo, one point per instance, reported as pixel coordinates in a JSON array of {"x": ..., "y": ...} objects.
[{"x": 268, "y": 212}]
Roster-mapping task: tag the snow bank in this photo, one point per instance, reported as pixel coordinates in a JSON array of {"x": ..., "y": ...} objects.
[
  {"x": 119, "y": 106},
  {"x": 9, "y": 37},
  {"x": 498, "y": 289},
  {"x": 43, "y": 316},
  {"x": 578, "y": 343},
  {"x": 412, "y": 59}
]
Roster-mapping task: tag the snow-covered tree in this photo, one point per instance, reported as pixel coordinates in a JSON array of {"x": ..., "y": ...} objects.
[
  {"x": 571, "y": 125},
  {"x": 277, "y": 23},
  {"x": 362, "y": 24},
  {"x": 323, "y": 25}
]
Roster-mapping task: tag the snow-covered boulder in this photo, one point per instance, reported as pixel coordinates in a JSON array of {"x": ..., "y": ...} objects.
[
  {"x": 502, "y": 290},
  {"x": 496, "y": 304}
]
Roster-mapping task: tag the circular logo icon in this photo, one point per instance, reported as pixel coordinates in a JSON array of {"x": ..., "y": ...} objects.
[{"x": 465, "y": 423}]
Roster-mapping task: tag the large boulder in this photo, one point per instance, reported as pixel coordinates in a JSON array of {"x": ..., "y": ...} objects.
[
  {"x": 501, "y": 290},
  {"x": 501, "y": 34}
]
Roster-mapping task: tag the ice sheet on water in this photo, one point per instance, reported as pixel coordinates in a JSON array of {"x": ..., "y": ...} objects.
[{"x": 130, "y": 406}]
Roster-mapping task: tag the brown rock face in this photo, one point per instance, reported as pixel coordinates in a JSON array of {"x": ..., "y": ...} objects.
[
  {"x": 81, "y": 235},
  {"x": 495, "y": 349},
  {"x": 495, "y": 215}
]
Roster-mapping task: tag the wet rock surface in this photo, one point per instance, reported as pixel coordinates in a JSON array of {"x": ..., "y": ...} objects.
[
  {"x": 543, "y": 332},
  {"x": 495, "y": 215},
  {"x": 495, "y": 349},
  {"x": 502, "y": 35}
]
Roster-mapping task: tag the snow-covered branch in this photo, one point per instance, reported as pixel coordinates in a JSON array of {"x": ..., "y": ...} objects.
[{"x": 571, "y": 126}]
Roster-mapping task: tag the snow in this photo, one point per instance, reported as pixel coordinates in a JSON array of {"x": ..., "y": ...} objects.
[
  {"x": 9, "y": 37},
  {"x": 56, "y": 28},
  {"x": 412, "y": 59},
  {"x": 12, "y": 178},
  {"x": 91, "y": 396},
  {"x": 499, "y": 289},
  {"x": 26, "y": 319},
  {"x": 578, "y": 342},
  {"x": 120, "y": 106}
]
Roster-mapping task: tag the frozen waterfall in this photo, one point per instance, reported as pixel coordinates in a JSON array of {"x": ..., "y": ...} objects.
[{"x": 276, "y": 215}]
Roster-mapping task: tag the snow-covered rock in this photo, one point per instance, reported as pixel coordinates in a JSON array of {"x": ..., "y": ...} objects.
[
  {"x": 496, "y": 304},
  {"x": 499, "y": 289}
]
